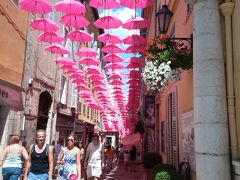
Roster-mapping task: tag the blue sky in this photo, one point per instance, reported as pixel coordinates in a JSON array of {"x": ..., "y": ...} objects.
[{"x": 122, "y": 13}]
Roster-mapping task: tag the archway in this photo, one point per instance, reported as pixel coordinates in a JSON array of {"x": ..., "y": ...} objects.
[{"x": 45, "y": 101}]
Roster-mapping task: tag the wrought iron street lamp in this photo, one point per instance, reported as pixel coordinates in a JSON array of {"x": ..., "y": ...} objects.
[{"x": 164, "y": 16}]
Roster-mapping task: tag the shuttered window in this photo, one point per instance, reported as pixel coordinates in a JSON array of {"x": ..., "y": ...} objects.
[
  {"x": 171, "y": 115},
  {"x": 174, "y": 128}
]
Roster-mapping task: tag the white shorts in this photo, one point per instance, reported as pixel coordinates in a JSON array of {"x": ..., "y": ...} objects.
[{"x": 94, "y": 171}]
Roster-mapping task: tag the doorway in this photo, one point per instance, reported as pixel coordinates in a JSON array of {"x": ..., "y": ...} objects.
[{"x": 45, "y": 101}]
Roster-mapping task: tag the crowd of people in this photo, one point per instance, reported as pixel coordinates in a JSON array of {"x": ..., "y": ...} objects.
[{"x": 73, "y": 162}]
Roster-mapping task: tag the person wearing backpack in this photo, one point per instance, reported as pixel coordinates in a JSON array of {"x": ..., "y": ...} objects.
[{"x": 40, "y": 166}]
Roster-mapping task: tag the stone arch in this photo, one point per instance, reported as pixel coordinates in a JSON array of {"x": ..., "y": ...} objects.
[{"x": 45, "y": 101}]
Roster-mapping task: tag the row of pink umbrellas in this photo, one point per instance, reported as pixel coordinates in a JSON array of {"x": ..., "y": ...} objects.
[{"x": 73, "y": 17}]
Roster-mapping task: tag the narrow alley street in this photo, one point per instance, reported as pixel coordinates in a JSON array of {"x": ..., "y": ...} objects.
[{"x": 119, "y": 173}]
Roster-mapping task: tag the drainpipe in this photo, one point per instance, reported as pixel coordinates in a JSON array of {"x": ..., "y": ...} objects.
[{"x": 227, "y": 10}]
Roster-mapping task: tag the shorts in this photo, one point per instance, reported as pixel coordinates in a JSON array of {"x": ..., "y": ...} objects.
[
  {"x": 32, "y": 176},
  {"x": 94, "y": 171}
]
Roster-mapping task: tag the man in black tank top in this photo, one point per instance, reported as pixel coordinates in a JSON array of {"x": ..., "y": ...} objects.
[{"x": 40, "y": 159}]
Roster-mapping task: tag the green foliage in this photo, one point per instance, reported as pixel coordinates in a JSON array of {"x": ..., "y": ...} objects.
[
  {"x": 163, "y": 49},
  {"x": 160, "y": 167},
  {"x": 151, "y": 159},
  {"x": 168, "y": 175},
  {"x": 139, "y": 127}
]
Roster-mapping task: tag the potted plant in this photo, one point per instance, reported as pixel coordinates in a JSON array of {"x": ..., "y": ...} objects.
[
  {"x": 165, "y": 61},
  {"x": 168, "y": 175},
  {"x": 149, "y": 161}
]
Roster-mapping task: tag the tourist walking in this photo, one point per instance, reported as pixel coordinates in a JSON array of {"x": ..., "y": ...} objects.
[
  {"x": 11, "y": 159},
  {"x": 109, "y": 157},
  {"x": 133, "y": 156},
  {"x": 126, "y": 159},
  {"x": 94, "y": 159},
  {"x": 82, "y": 153},
  {"x": 69, "y": 159},
  {"x": 40, "y": 164}
]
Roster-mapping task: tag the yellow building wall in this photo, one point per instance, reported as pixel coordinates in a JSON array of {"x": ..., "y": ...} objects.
[
  {"x": 236, "y": 59},
  {"x": 13, "y": 22},
  {"x": 182, "y": 22}
]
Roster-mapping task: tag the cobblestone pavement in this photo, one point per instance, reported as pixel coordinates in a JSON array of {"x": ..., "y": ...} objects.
[{"x": 119, "y": 173}]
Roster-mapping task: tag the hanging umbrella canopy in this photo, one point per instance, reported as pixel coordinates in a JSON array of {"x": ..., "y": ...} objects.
[
  {"x": 116, "y": 82},
  {"x": 82, "y": 87},
  {"x": 135, "y": 49},
  {"x": 108, "y": 22},
  {"x": 77, "y": 75},
  {"x": 79, "y": 81},
  {"x": 134, "y": 39},
  {"x": 79, "y": 36},
  {"x": 109, "y": 39},
  {"x": 93, "y": 70},
  {"x": 89, "y": 61},
  {"x": 96, "y": 77},
  {"x": 104, "y": 4},
  {"x": 57, "y": 49},
  {"x": 115, "y": 76},
  {"x": 51, "y": 37},
  {"x": 136, "y": 23},
  {"x": 134, "y": 60},
  {"x": 65, "y": 61},
  {"x": 43, "y": 24},
  {"x": 134, "y": 65},
  {"x": 112, "y": 48},
  {"x": 99, "y": 88},
  {"x": 35, "y": 6},
  {"x": 112, "y": 58},
  {"x": 136, "y": 4},
  {"x": 70, "y": 7},
  {"x": 74, "y": 20},
  {"x": 87, "y": 52},
  {"x": 113, "y": 66}
]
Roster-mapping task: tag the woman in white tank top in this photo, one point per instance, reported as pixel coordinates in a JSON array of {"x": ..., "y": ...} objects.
[{"x": 11, "y": 159}]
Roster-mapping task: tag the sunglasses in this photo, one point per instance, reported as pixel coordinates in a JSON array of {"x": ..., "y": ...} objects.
[{"x": 71, "y": 140}]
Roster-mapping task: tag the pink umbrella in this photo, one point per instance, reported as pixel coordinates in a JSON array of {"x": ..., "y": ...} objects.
[
  {"x": 82, "y": 88},
  {"x": 136, "y": 23},
  {"x": 36, "y": 6},
  {"x": 112, "y": 58},
  {"x": 116, "y": 82},
  {"x": 57, "y": 49},
  {"x": 115, "y": 76},
  {"x": 136, "y": 4},
  {"x": 110, "y": 39},
  {"x": 135, "y": 49},
  {"x": 43, "y": 24},
  {"x": 135, "y": 60},
  {"x": 97, "y": 82},
  {"x": 70, "y": 7},
  {"x": 88, "y": 52},
  {"x": 104, "y": 4},
  {"x": 112, "y": 48},
  {"x": 108, "y": 22},
  {"x": 51, "y": 37},
  {"x": 74, "y": 20},
  {"x": 89, "y": 61},
  {"x": 77, "y": 75},
  {"x": 113, "y": 66},
  {"x": 65, "y": 60},
  {"x": 96, "y": 77},
  {"x": 134, "y": 39},
  {"x": 80, "y": 36},
  {"x": 93, "y": 70},
  {"x": 79, "y": 81},
  {"x": 99, "y": 88},
  {"x": 135, "y": 65}
]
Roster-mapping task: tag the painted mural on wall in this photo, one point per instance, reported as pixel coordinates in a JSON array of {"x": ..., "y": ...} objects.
[
  {"x": 149, "y": 124},
  {"x": 188, "y": 139}
]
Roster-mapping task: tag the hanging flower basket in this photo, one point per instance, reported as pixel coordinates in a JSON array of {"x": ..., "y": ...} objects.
[{"x": 166, "y": 59}]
